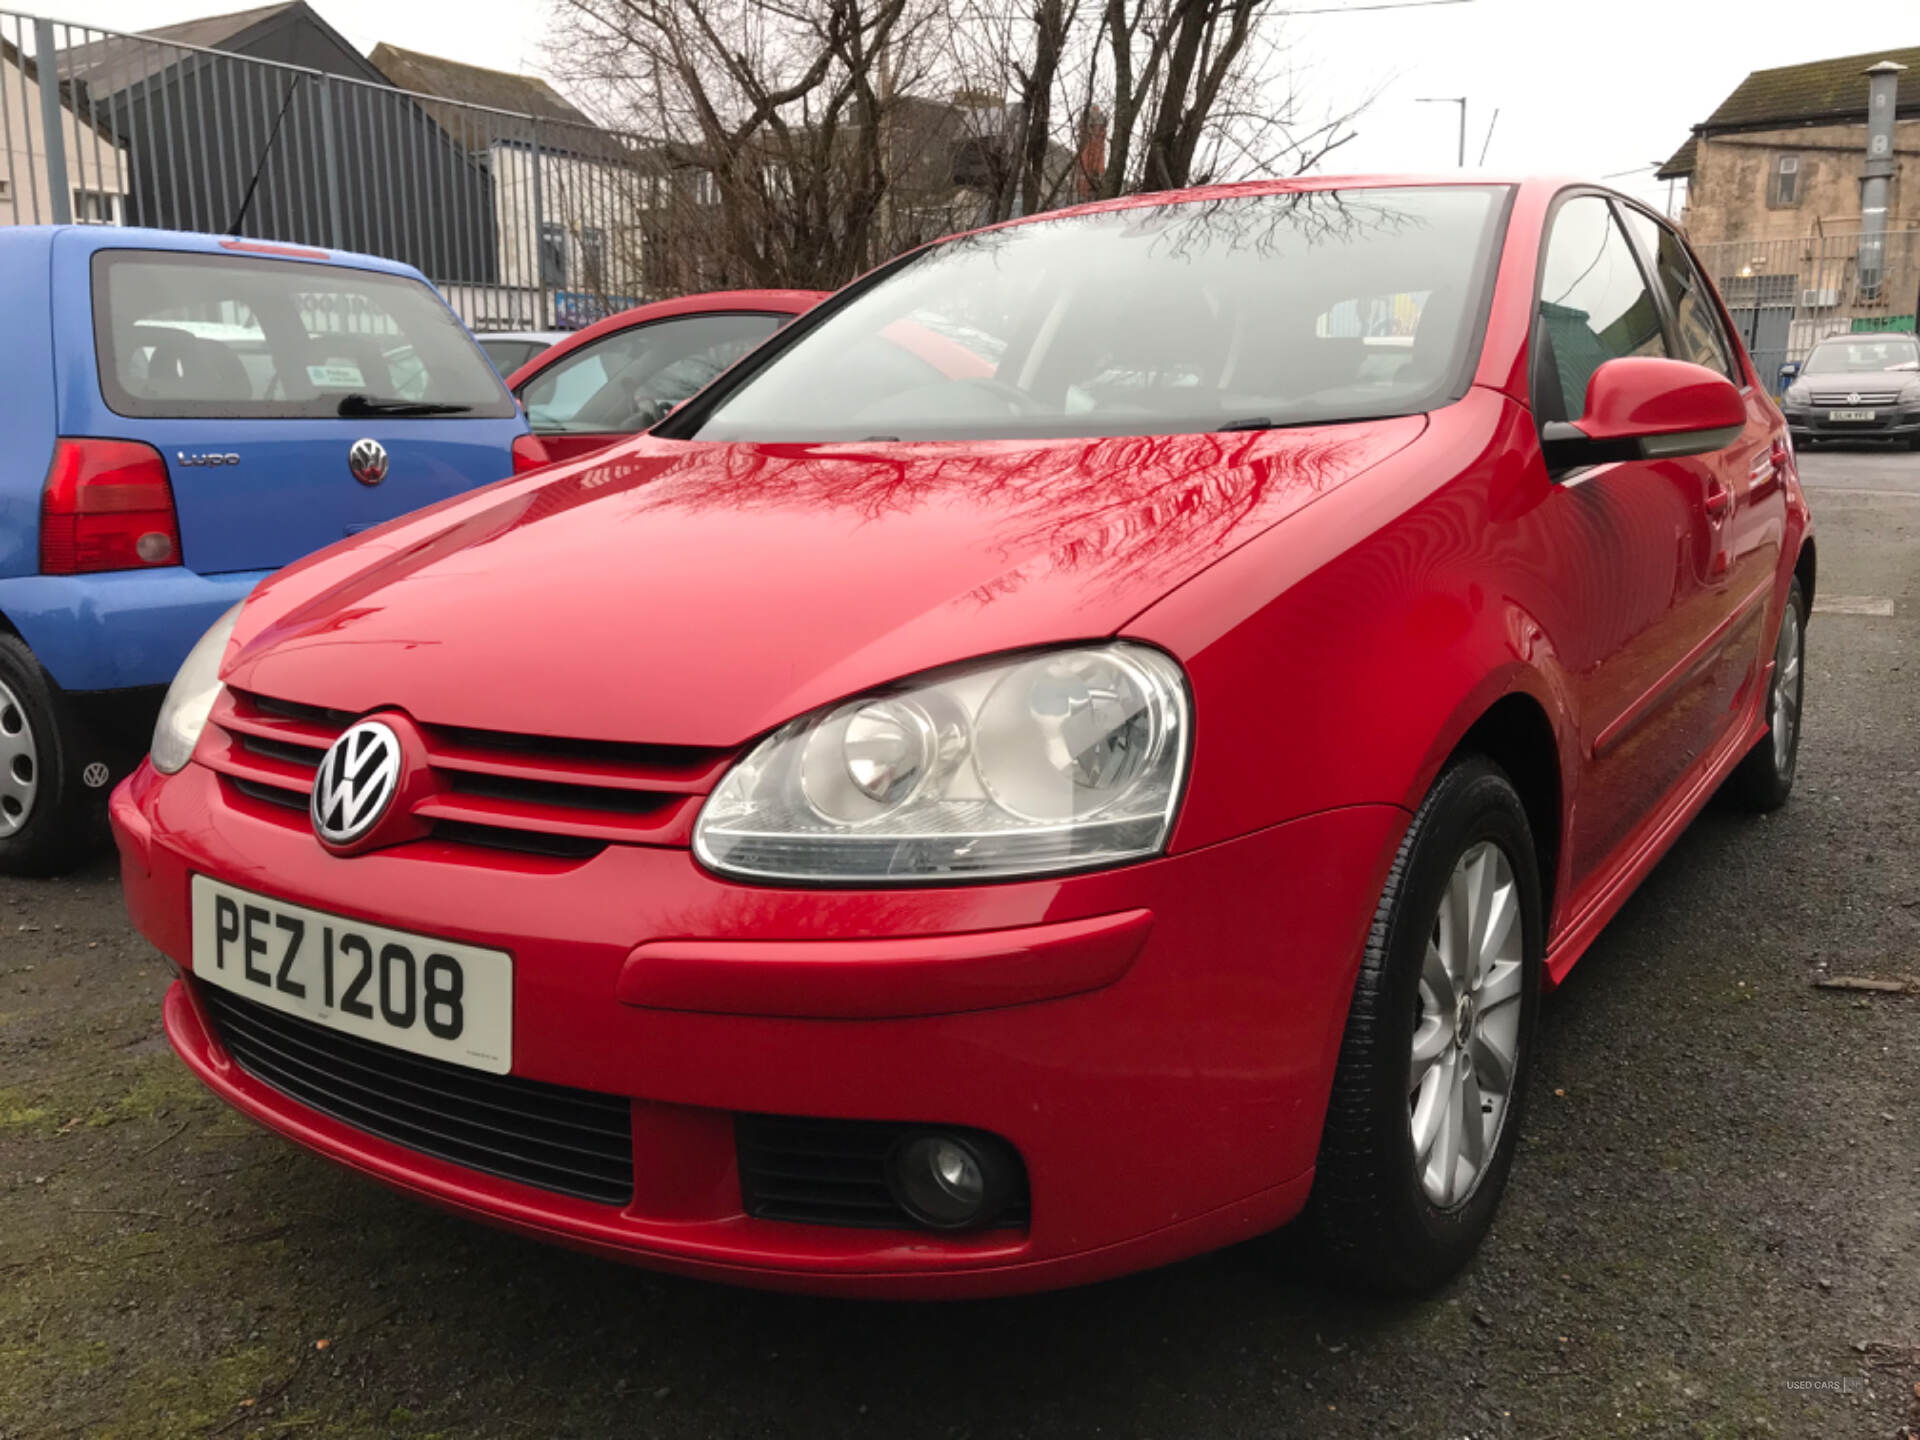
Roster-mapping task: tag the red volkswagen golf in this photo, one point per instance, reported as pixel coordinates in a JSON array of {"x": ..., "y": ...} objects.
[{"x": 1084, "y": 747}]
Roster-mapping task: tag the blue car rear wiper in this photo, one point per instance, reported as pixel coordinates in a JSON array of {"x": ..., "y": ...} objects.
[{"x": 357, "y": 404}]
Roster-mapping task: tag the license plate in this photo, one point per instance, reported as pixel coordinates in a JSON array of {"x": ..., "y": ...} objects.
[
  {"x": 433, "y": 997},
  {"x": 1853, "y": 414}
]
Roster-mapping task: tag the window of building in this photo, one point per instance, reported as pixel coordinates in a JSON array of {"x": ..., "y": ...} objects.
[
  {"x": 6, "y": 189},
  {"x": 1783, "y": 186},
  {"x": 593, "y": 257},
  {"x": 96, "y": 207},
  {"x": 553, "y": 253}
]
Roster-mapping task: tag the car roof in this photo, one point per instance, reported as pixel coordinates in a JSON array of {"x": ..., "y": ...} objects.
[
  {"x": 117, "y": 237},
  {"x": 1303, "y": 184},
  {"x": 712, "y": 302}
]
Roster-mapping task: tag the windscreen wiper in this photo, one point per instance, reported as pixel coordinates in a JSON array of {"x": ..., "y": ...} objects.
[
  {"x": 1263, "y": 422},
  {"x": 362, "y": 405}
]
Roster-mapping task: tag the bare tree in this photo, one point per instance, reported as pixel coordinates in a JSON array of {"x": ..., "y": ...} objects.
[
  {"x": 799, "y": 142},
  {"x": 776, "y": 119}
]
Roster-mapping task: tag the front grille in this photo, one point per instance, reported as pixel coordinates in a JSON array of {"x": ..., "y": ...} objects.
[
  {"x": 539, "y": 795},
  {"x": 573, "y": 1142},
  {"x": 831, "y": 1172},
  {"x": 1845, "y": 399}
]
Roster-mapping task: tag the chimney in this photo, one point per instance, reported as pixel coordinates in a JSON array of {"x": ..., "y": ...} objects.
[{"x": 1883, "y": 82}]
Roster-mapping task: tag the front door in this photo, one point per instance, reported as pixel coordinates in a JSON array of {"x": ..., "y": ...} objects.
[{"x": 1647, "y": 544}]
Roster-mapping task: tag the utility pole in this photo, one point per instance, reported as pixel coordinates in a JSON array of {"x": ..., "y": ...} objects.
[{"x": 1461, "y": 101}]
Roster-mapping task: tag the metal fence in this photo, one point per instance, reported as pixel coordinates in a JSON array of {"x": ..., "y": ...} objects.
[
  {"x": 1788, "y": 295},
  {"x": 522, "y": 221}
]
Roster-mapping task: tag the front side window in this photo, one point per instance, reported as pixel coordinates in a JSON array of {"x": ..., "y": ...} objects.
[
  {"x": 181, "y": 334},
  {"x": 1696, "y": 321},
  {"x": 630, "y": 379},
  {"x": 1241, "y": 313},
  {"x": 1594, "y": 307}
]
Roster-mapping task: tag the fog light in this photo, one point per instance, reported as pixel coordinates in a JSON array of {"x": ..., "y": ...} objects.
[{"x": 951, "y": 1181}]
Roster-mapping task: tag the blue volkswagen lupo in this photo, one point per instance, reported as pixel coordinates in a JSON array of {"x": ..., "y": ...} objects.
[{"x": 185, "y": 414}]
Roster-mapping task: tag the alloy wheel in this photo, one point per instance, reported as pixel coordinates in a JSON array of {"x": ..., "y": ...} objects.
[
  {"x": 1466, "y": 1037},
  {"x": 1785, "y": 718},
  {"x": 19, "y": 764}
]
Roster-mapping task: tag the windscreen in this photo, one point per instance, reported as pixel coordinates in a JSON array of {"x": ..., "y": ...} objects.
[
  {"x": 1838, "y": 357},
  {"x": 1237, "y": 313},
  {"x": 182, "y": 334},
  {"x": 631, "y": 379}
]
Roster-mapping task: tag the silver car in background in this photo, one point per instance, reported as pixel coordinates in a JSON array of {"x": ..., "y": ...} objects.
[{"x": 1857, "y": 387}]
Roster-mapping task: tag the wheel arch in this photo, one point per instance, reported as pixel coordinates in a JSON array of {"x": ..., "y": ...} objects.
[
  {"x": 1804, "y": 566},
  {"x": 1509, "y": 719},
  {"x": 1516, "y": 735}
]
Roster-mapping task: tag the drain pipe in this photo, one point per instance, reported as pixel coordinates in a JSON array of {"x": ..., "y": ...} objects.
[{"x": 1883, "y": 82}]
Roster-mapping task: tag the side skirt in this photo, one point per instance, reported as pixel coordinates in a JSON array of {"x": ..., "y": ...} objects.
[{"x": 1642, "y": 852}]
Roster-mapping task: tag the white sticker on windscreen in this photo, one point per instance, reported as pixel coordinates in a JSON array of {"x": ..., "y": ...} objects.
[{"x": 336, "y": 375}]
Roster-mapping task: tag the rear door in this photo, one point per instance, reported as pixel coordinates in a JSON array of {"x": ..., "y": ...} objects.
[
  {"x": 1746, "y": 496},
  {"x": 627, "y": 381},
  {"x": 257, "y": 378}
]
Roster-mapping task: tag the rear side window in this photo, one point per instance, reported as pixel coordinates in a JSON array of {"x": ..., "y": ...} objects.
[
  {"x": 1697, "y": 324},
  {"x": 629, "y": 380},
  {"x": 1594, "y": 307},
  {"x": 184, "y": 335}
]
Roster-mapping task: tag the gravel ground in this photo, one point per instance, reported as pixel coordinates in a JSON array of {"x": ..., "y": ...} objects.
[{"x": 1713, "y": 1229}]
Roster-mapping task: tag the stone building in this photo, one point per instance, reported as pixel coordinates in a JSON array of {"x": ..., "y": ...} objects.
[{"x": 1783, "y": 155}]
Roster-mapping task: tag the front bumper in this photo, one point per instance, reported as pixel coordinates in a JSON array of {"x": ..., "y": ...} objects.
[
  {"x": 1172, "y": 1108},
  {"x": 1889, "y": 423}
]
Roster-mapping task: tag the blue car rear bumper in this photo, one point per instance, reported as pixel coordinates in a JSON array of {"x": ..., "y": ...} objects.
[{"x": 119, "y": 631}]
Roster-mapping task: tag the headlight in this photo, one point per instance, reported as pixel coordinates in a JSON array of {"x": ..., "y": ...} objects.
[
  {"x": 1910, "y": 393},
  {"x": 1798, "y": 394},
  {"x": 1060, "y": 761},
  {"x": 183, "y": 714}
]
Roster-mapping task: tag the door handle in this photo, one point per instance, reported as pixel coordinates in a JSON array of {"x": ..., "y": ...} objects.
[{"x": 1719, "y": 500}]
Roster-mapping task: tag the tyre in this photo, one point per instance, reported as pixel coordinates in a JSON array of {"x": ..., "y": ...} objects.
[
  {"x": 53, "y": 775},
  {"x": 1427, "y": 1097},
  {"x": 1764, "y": 778}
]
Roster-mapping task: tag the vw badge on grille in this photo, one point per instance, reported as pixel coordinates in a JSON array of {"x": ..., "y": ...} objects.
[
  {"x": 355, "y": 783},
  {"x": 368, "y": 461}
]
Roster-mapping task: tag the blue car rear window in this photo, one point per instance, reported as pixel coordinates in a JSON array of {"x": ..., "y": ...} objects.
[{"x": 183, "y": 334}]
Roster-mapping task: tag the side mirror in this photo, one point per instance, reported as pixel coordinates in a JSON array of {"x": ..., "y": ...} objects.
[{"x": 1644, "y": 408}]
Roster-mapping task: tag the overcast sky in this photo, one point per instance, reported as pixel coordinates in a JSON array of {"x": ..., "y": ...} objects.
[{"x": 1590, "y": 89}]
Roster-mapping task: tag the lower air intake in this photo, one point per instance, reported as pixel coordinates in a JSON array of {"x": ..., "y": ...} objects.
[{"x": 573, "y": 1142}]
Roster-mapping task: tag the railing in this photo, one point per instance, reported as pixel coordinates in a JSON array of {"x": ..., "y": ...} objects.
[
  {"x": 522, "y": 221},
  {"x": 1788, "y": 295}
]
